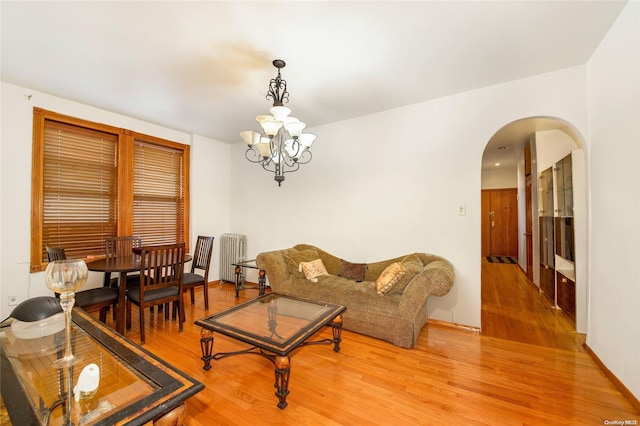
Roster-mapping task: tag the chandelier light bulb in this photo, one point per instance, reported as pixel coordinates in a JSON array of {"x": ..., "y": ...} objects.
[
  {"x": 264, "y": 149},
  {"x": 280, "y": 112},
  {"x": 250, "y": 137},
  {"x": 295, "y": 128},
  {"x": 307, "y": 139},
  {"x": 270, "y": 126}
]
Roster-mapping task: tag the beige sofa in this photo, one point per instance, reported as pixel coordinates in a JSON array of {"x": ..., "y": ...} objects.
[{"x": 396, "y": 316}]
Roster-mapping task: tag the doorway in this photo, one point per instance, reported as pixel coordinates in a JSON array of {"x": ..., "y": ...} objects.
[
  {"x": 500, "y": 222},
  {"x": 521, "y": 149}
]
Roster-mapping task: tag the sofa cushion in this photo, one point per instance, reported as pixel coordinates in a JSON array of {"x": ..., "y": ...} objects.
[
  {"x": 389, "y": 277},
  {"x": 293, "y": 260},
  {"x": 313, "y": 269},
  {"x": 352, "y": 271},
  {"x": 412, "y": 266}
]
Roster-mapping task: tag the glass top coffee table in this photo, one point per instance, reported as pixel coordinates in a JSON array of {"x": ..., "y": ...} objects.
[
  {"x": 135, "y": 386},
  {"x": 274, "y": 325}
]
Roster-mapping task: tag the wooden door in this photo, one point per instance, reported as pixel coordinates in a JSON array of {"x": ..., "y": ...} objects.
[
  {"x": 500, "y": 222},
  {"x": 529, "y": 229}
]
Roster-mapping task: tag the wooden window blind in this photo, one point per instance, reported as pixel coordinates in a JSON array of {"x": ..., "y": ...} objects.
[
  {"x": 158, "y": 193},
  {"x": 79, "y": 196}
]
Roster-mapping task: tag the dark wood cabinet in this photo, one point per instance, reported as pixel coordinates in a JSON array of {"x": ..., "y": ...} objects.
[
  {"x": 547, "y": 282},
  {"x": 567, "y": 296}
]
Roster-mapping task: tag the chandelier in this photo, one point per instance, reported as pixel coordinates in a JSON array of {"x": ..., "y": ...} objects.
[{"x": 281, "y": 146}]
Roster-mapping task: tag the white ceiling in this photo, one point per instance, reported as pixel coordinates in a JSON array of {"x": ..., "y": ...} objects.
[{"x": 203, "y": 67}]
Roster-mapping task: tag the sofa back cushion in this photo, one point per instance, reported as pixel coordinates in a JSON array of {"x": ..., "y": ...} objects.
[
  {"x": 293, "y": 259},
  {"x": 331, "y": 262}
]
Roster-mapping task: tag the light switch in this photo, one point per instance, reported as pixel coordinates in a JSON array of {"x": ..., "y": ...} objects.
[{"x": 462, "y": 209}]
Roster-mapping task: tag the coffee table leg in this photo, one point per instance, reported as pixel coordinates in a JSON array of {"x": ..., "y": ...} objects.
[
  {"x": 262, "y": 282},
  {"x": 237, "y": 271},
  {"x": 283, "y": 368},
  {"x": 206, "y": 345},
  {"x": 336, "y": 326}
]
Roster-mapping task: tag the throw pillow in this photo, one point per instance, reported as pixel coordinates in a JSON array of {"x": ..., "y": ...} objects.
[
  {"x": 352, "y": 271},
  {"x": 293, "y": 260},
  {"x": 412, "y": 266},
  {"x": 389, "y": 277},
  {"x": 313, "y": 269}
]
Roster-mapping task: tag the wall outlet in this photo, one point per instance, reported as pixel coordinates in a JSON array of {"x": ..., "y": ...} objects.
[{"x": 13, "y": 300}]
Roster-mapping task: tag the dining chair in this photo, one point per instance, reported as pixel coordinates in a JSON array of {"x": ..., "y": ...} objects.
[
  {"x": 201, "y": 261},
  {"x": 121, "y": 246},
  {"x": 161, "y": 282},
  {"x": 92, "y": 300}
]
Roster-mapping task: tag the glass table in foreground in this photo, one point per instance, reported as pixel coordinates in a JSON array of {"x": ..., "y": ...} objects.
[
  {"x": 273, "y": 325},
  {"x": 262, "y": 280},
  {"x": 135, "y": 387}
]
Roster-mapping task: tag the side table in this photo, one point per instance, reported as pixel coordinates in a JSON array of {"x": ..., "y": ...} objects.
[{"x": 262, "y": 277}]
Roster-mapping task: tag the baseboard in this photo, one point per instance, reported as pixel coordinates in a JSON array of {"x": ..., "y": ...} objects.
[
  {"x": 475, "y": 330},
  {"x": 522, "y": 269},
  {"x": 635, "y": 402}
]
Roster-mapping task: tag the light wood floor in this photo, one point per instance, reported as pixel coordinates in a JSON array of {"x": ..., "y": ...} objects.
[
  {"x": 514, "y": 309},
  {"x": 519, "y": 372}
]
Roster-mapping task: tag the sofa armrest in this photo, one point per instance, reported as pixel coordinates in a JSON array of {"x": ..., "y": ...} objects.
[
  {"x": 435, "y": 279},
  {"x": 275, "y": 265}
]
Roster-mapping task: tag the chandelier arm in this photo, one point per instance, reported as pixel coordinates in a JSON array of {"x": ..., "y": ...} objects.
[
  {"x": 305, "y": 153},
  {"x": 293, "y": 168},
  {"x": 289, "y": 162},
  {"x": 265, "y": 165},
  {"x": 255, "y": 155}
]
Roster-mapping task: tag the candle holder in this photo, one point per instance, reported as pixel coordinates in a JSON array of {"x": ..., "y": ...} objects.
[{"x": 65, "y": 277}]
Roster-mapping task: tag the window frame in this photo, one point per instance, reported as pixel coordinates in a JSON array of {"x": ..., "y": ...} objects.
[{"x": 124, "y": 176}]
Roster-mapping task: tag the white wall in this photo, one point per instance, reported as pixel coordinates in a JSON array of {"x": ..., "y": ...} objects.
[
  {"x": 210, "y": 190},
  {"x": 614, "y": 134},
  {"x": 499, "y": 177},
  {"x": 388, "y": 184},
  {"x": 210, "y": 183},
  {"x": 551, "y": 147}
]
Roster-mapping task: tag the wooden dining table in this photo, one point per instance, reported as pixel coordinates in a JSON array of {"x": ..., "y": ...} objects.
[{"x": 121, "y": 265}]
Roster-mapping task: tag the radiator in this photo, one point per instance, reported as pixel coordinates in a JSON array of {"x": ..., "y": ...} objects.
[{"x": 233, "y": 249}]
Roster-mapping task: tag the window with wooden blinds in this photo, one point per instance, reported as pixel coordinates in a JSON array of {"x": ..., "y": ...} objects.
[
  {"x": 79, "y": 189},
  {"x": 91, "y": 181},
  {"x": 158, "y": 194}
]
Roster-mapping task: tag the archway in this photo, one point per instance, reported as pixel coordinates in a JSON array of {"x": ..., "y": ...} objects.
[{"x": 515, "y": 157}]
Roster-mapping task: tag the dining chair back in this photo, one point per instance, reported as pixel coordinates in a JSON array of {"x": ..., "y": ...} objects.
[
  {"x": 121, "y": 246},
  {"x": 55, "y": 253},
  {"x": 201, "y": 262},
  {"x": 161, "y": 282},
  {"x": 99, "y": 299}
]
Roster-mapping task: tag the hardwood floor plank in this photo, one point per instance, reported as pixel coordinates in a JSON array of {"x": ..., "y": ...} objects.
[{"x": 542, "y": 376}]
